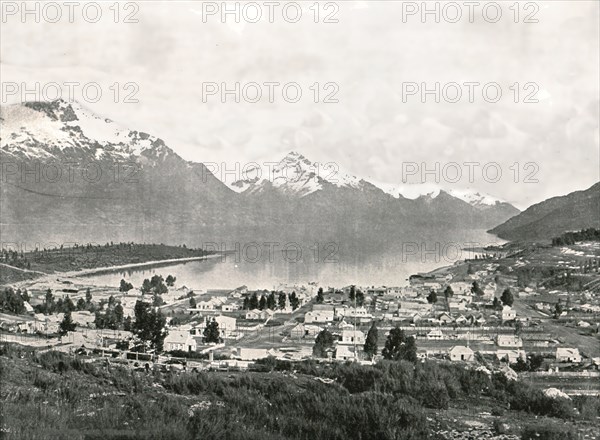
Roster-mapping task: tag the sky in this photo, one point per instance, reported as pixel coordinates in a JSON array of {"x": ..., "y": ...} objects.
[{"x": 370, "y": 59}]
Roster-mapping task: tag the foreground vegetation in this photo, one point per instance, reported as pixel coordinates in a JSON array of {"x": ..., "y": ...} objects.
[{"x": 52, "y": 395}]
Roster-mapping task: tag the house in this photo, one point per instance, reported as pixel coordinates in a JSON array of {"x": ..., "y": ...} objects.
[
  {"x": 458, "y": 303},
  {"x": 211, "y": 304},
  {"x": 351, "y": 312},
  {"x": 489, "y": 291},
  {"x": 461, "y": 353},
  {"x": 435, "y": 334},
  {"x": 511, "y": 355},
  {"x": 352, "y": 337},
  {"x": 568, "y": 355},
  {"x": 509, "y": 341},
  {"x": 28, "y": 308},
  {"x": 230, "y": 307},
  {"x": 253, "y": 314},
  {"x": 461, "y": 288},
  {"x": 445, "y": 318},
  {"x": 345, "y": 353},
  {"x": 180, "y": 340},
  {"x": 461, "y": 320},
  {"x": 319, "y": 316},
  {"x": 379, "y": 291},
  {"x": 508, "y": 314},
  {"x": 83, "y": 318},
  {"x": 305, "y": 331},
  {"x": 227, "y": 326}
]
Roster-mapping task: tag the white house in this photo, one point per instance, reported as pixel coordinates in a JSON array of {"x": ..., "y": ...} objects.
[
  {"x": 461, "y": 288},
  {"x": 253, "y": 314},
  {"x": 180, "y": 340},
  {"x": 461, "y": 353},
  {"x": 352, "y": 337},
  {"x": 345, "y": 352},
  {"x": 509, "y": 341},
  {"x": 568, "y": 355},
  {"x": 319, "y": 316},
  {"x": 508, "y": 314},
  {"x": 227, "y": 326},
  {"x": 511, "y": 355},
  {"x": 435, "y": 334}
]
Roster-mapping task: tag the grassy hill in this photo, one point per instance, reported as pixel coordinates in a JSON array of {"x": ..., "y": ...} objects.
[{"x": 52, "y": 395}]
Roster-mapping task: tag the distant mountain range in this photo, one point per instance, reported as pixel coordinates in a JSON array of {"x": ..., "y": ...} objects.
[
  {"x": 155, "y": 195},
  {"x": 552, "y": 217}
]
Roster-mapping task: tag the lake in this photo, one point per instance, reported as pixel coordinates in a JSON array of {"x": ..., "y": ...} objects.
[{"x": 267, "y": 264}]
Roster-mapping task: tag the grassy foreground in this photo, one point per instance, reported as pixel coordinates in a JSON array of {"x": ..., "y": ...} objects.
[{"x": 52, "y": 395}]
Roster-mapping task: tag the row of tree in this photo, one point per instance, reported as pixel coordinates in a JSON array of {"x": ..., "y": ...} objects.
[{"x": 271, "y": 301}]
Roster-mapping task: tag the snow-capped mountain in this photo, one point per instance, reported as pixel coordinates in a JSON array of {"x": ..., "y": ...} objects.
[
  {"x": 297, "y": 176},
  {"x": 159, "y": 197},
  {"x": 50, "y": 129},
  {"x": 432, "y": 190},
  {"x": 294, "y": 175}
]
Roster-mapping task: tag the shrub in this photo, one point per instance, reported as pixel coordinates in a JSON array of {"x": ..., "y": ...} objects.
[{"x": 548, "y": 431}]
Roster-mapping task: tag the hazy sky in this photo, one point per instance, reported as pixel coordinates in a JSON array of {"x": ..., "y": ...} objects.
[{"x": 370, "y": 53}]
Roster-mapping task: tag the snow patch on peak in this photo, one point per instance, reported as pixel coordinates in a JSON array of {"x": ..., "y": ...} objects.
[
  {"x": 412, "y": 191},
  {"x": 41, "y": 129},
  {"x": 293, "y": 175},
  {"x": 474, "y": 197}
]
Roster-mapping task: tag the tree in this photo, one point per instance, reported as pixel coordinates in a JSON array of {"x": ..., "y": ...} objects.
[
  {"x": 149, "y": 325},
  {"x": 67, "y": 324},
  {"x": 475, "y": 289},
  {"x": 323, "y": 342},
  {"x": 352, "y": 294},
  {"x": 158, "y": 285},
  {"x": 49, "y": 301},
  {"x": 360, "y": 298},
  {"x": 253, "y": 302},
  {"x": 80, "y": 304},
  {"x": 507, "y": 297},
  {"x": 282, "y": 300},
  {"x": 211, "y": 332},
  {"x": 271, "y": 301},
  {"x": 448, "y": 292},
  {"x": 294, "y": 301},
  {"x": 400, "y": 347},
  {"x": 125, "y": 286},
  {"x": 146, "y": 286},
  {"x": 470, "y": 270},
  {"x": 246, "y": 304},
  {"x": 558, "y": 309},
  {"x": 535, "y": 362},
  {"x": 88, "y": 296},
  {"x": 497, "y": 304},
  {"x": 371, "y": 341},
  {"x": 432, "y": 297},
  {"x": 320, "y": 297},
  {"x": 118, "y": 314},
  {"x": 170, "y": 280},
  {"x": 262, "y": 304},
  {"x": 193, "y": 302}
]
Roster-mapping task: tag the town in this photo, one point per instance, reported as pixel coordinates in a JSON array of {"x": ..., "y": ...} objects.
[{"x": 486, "y": 311}]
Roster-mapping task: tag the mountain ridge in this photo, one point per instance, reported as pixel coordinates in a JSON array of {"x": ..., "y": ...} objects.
[{"x": 554, "y": 216}]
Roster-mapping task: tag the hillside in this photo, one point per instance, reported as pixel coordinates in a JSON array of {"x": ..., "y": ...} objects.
[
  {"x": 552, "y": 217},
  {"x": 70, "y": 175},
  {"x": 53, "y": 395}
]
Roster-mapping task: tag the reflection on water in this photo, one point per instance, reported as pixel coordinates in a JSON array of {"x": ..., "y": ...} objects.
[{"x": 264, "y": 264}]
